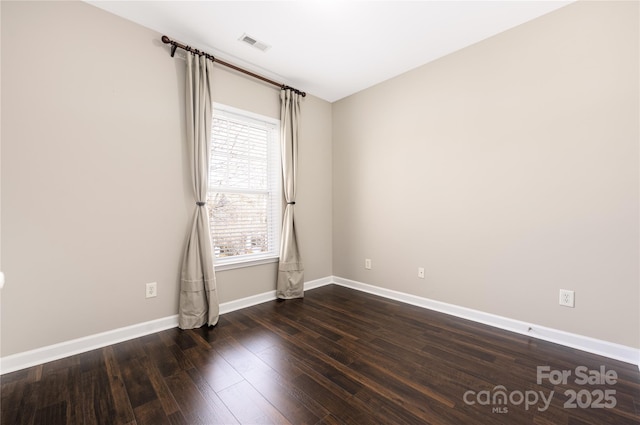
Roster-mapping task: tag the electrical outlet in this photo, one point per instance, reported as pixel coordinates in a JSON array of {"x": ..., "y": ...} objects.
[
  {"x": 421, "y": 272},
  {"x": 567, "y": 298},
  {"x": 367, "y": 264},
  {"x": 152, "y": 290}
]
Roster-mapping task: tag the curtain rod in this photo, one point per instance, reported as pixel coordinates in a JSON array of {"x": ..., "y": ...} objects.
[{"x": 175, "y": 44}]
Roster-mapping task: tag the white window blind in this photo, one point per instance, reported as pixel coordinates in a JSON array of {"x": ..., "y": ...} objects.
[{"x": 244, "y": 186}]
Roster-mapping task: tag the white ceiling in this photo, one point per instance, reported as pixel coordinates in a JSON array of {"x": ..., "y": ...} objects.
[{"x": 330, "y": 48}]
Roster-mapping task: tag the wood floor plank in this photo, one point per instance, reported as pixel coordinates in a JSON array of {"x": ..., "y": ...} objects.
[
  {"x": 75, "y": 390},
  {"x": 277, "y": 389},
  {"x": 239, "y": 357},
  {"x": 137, "y": 383},
  {"x": 250, "y": 407},
  {"x": 54, "y": 388},
  {"x": 151, "y": 413},
  {"x": 162, "y": 356},
  {"x": 286, "y": 357},
  {"x": 195, "y": 406},
  {"x": 218, "y": 373},
  {"x": 53, "y": 414},
  {"x": 123, "y": 412},
  {"x": 218, "y": 411},
  {"x": 257, "y": 338},
  {"x": 339, "y": 406},
  {"x": 97, "y": 400},
  {"x": 392, "y": 410},
  {"x": 19, "y": 403},
  {"x": 337, "y": 356},
  {"x": 166, "y": 399}
]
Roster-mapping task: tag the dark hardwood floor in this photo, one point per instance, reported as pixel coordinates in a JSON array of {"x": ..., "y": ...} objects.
[{"x": 337, "y": 357}]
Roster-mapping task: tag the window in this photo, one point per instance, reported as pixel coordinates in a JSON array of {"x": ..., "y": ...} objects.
[{"x": 244, "y": 196}]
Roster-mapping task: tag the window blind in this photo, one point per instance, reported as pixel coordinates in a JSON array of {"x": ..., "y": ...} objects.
[{"x": 244, "y": 186}]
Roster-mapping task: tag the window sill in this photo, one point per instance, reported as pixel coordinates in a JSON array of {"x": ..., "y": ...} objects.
[{"x": 244, "y": 263}]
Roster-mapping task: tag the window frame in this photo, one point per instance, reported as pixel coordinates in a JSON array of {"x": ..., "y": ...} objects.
[{"x": 274, "y": 188}]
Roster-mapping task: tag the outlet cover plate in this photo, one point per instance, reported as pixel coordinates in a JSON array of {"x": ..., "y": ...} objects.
[
  {"x": 151, "y": 290},
  {"x": 567, "y": 298}
]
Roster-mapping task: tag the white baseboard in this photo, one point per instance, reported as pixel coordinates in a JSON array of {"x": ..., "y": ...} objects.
[
  {"x": 53, "y": 352},
  {"x": 580, "y": 342},
  {"x": 234, "y": 305},
  {"x": 49, "y": 353},
  {"x": 268, "y": 296},
  {"x": 319, "y": 282}
]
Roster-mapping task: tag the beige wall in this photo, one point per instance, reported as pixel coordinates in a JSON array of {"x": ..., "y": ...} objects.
[
  {"x": 95, "y": 189},
  {"x": 508, "y": 170}
]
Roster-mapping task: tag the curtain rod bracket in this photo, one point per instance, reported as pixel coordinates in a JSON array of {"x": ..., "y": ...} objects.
[{"x": 173, "y": 49}]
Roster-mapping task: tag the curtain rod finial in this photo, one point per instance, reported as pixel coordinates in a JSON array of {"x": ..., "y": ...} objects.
[{"x": 165, "y": 39}]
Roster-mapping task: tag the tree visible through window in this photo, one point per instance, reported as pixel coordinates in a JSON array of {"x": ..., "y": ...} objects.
[{"x": 244, "y": 186}]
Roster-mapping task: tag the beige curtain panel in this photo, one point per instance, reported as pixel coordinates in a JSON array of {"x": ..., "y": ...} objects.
[
  {"x": 290, "y": 270},
  {"x": 198, "y": 296}
]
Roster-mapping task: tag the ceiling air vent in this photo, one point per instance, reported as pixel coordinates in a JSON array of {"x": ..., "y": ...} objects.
[{"x": 254, "y": 43}]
